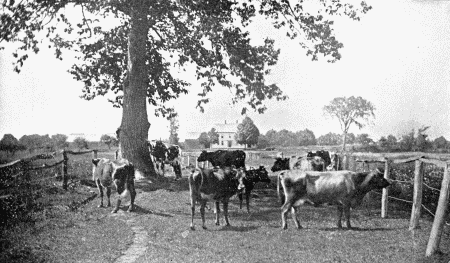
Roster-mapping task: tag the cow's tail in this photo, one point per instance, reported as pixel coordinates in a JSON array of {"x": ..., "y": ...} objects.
[{"x": 280, "y": 194}]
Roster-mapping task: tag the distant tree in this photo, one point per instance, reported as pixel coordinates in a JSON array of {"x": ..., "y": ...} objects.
[
  {"x": 174, "y": 126},
  {"x": 204, "y": 140},
  {"x": 60, "y": 141},
  {"x": 348, "y": 111},
  {"x": 392, "y": 141},
  {"x": 305, "y": 138},
  {"x": 421, "y": 142},
  {"x": 329, "y": 139},
  {"x": 247, "y": 133},
  {"x": 406, "y": 142},
  {"x": 106, "y": 139},
  {"x": 81, "y": 143},
  {"x": 213, "y": 136},
  {"x": 263, "y": 142},
  {"x": 382, "y": 142},
  {"x": 271, "y": 136},
  {"x": 440, "y": 143},
  {"x": 351, "y": 138},
  {"x": 10, "y": 144},
  {"x": 363, "y": 139},
  {"x": 37, "y": 142},
  {"x": 285, "y": 138}
]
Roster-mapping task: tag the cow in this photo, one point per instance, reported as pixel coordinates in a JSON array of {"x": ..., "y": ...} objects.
[
  {"x": 298, "y": 163},
  {"x": 222, "y": 158},
  {"x": 216, "y": 185},
  {"x": 325, "y": 155},
  {"x": 118, "y": 173},
  {"x": 346, "y": 189},
  {"x": 252, "y": 176},
  {"x": 165, "y": 154},
  {"x": 336, "y": 163}
]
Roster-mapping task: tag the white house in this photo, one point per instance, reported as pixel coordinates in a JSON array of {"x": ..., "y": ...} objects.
[{"x": 226, "y": 132}]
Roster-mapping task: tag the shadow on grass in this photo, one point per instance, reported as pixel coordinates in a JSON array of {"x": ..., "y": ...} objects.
[
  {"x": 356, "y": 229},
  {"x": 140, "y": 210},
  {"x": 238, "y": 228}
]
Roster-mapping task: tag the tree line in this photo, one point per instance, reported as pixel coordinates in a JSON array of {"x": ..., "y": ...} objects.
[{"x": 36, "y": 142}]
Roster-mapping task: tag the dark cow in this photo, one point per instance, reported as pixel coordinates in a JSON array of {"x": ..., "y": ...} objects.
[
  {"x": 217, "y": 185},
  {"x": 346, "y": 189},
  {"x": 120, "y": 173},
  {"x": 298, "y": 163},
  {"x": 325, "y": 155},
  {"x": 253, "y": 176},
  {"x": 222, "y": 158}
]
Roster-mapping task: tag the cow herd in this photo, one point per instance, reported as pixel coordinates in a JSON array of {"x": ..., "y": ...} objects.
[{"x": 315, "y": 178}]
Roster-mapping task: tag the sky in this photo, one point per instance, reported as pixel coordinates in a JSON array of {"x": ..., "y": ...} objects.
[{"x": 396, "y": 57}]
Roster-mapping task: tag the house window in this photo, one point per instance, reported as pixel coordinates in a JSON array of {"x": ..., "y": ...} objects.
[
  {"x": 222, "y": 142},
  {"x": 229, "y": 136},
  {"x": 221, "y": 136}
]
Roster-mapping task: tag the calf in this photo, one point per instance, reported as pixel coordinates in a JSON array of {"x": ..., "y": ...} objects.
[
  {"x": 253, "y": 176},
  {"x": 107, "y": 173},
  {"x": 346, "y": 189},
  {"x": 217, "y": 185}
]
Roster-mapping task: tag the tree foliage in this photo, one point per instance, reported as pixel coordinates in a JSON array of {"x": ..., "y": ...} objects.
[
  {"x": 305, "y": 138},
  {"x": 59, "y": 141},
  {"x": 247, "y": 133},
  {"x": 132, "y": 55},
  {"x": 204, "y": 140},
  {"x": 81, "y": 143},
  {"x": 35, "y": 142},
  {"x": 329, "y": 139},
  {"x": 10, "y": 144},
  {"x": 107, "y": 139},
  {"x": 174, "y": 126},
  {"x": 363, "y": 139},
  {"x": 348, "y": 111}
]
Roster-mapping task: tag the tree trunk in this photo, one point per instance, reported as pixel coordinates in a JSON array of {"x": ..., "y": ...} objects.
[
  {"x": 135, "y": 125},
  {"x": 344, "y": 141}
]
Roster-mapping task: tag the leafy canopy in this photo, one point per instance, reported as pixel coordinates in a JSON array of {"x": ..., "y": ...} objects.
[
  {"x": 247, "y": 132},
  {"x": 209, "y": 36}
]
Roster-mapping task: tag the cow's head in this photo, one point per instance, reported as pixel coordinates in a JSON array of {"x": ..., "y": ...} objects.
[
  {"x": 317, "y": 163},
  {"x": 122, "y": 174},
  {"x": 375, "y": 180},
  {"x": 280, "y": 164},
  {"x": 240, "y": 176},
  {"x": 203, "y": 156},
  {"x": 257, "y": 175}
]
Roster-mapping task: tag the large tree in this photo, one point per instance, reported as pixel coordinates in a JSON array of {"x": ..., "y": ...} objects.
[
  {"x": 174, "y": 126},
  {"x": 10, "y": 144},
  {"x": 247, "y": 133},
  {"x": 127, "y": 49},
  {"x": 348, "y": 111}
]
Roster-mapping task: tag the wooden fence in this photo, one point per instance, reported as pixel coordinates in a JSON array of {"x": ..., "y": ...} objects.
[
  {"x": 20, "y": 168},
  {"x": 419, "y": 159}
]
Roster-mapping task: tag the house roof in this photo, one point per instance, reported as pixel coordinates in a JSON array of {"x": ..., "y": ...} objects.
[{"x": 229, "y": 127}]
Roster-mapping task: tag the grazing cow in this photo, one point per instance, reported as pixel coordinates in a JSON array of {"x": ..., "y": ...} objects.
[
  {"x": 222, "y": 158},
  {"x": 253, "y": 176},
  {"x": 346, "y": 189},
  {"x": 120, "y": 173},
  {"x": 298, "y": 163},
  {"x": 217, "y": 185},
  {"x": 325, "y": 155}
]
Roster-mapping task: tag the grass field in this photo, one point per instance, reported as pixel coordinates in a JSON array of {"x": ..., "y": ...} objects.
[{"x": 67, "y": 226}]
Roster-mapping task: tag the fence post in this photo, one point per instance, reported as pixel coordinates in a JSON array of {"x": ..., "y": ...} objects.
[
  {"x": 439, "y": 218},
  {"x": 64, "y": 169},
  {"x": 353, "y": 164},
  {"x": 196, "y": 163},
  {"x": 188, "y": 161},
  {"x": 94, "y": 154},
  {"x": 384, "y": 197},
  {"x": 417, "y": 196},
  {"x": 117, "y": 154}
]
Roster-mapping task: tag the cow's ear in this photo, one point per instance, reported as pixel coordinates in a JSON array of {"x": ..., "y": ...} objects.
[{"x": 95, "y": 161}]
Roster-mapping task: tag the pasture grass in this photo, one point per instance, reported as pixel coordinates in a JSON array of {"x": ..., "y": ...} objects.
[{"x": 66, "y": 226}]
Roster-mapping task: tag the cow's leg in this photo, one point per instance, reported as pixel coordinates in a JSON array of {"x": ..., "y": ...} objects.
[
  {"x": 225, "y": 212},
  {"x": 295, "y": 217},
  {"x": 347, "y": 215},
  {"x": 217, "y": 209},
  {"x": 284, "y": 210},
  {"x": 247, "y": 200},
  {"x": 108, "y": 195},
  {"x": 132, "y": 196},
  {"x": 202, "y": 212},
  {"x": 100, "y": 192},
  {"x": 192, "y": 211},
  {"x": 240, "y": 200},
  {"x": 339, "y": 215}
]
